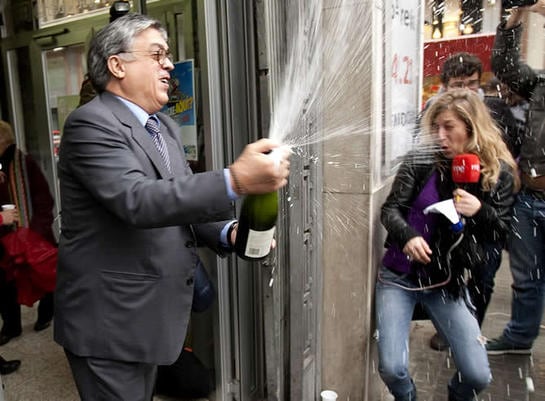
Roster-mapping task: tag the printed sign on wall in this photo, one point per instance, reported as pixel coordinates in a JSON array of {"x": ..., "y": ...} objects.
[
  {"x": 181, "y": 105},
  {"x": 402, "y": 78}
]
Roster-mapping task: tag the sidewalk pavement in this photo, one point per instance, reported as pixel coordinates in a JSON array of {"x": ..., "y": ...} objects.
[{"x": 515, "y": 377}]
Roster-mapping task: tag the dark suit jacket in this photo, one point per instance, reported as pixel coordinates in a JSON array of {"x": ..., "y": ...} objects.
[{"x": 127, "y": 252}]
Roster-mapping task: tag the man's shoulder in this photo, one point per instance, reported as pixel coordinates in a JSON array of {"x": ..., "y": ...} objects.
[
  {"x": 102, "y": 105},
  {"x": 495, "y": 103}
]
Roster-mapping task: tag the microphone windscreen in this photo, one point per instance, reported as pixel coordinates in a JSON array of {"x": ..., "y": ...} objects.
[{"x": 466, "y": 168}]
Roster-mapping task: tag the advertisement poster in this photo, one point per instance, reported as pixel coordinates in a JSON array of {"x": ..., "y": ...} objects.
[{"x": 181, "y": 105}]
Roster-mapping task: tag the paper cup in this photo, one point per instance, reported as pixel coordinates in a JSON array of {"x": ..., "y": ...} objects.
[
  {"x": 328, "y": 395},
  {"x": 8, "y": 206}
]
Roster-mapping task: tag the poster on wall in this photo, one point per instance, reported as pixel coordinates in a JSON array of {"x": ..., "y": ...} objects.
[
  {"x": 181, "y": 105},
  {"x": 402, "y": 79}
]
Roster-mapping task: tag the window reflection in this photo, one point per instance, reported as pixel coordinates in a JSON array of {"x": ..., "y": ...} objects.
[
  {"x": 56, "y": 11},
  {"x": 453, "y": 18},
  {"x": 64, "y": 73}
]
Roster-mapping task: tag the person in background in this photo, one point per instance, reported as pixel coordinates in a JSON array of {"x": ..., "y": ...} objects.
[
  {"x": 519, "y": 107},
  {"x": 494, "y": 88},
  {"x": 497, "y": 98},
  {"x": 464, "y": 70},
  {"x": 7, "y": 217},
  {"x": 526, "y": 241},
  {"x": 460, "y": 70},
  {"x": 133, "y": 215},
  {"x": 22, "y": 183},
  {"x": 425, "y": 261}
]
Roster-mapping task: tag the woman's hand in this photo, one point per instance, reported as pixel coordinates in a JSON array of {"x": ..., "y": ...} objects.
[
  {"x": 465, "y": 203},
  {"x": 9, "y": 217},
  {"x": 539, "y": 7},
  {"x": 418, "y": 250},
  {"x": 517, "y": 14}
]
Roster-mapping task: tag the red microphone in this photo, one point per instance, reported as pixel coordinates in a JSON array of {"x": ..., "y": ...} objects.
[{"x": 466, "y": 168}]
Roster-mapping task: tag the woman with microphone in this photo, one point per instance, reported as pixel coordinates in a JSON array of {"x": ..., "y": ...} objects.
[{"x": 426, "y": 261}]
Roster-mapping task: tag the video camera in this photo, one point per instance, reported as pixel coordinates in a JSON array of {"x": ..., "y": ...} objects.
[{"x": 119, "y": 9}]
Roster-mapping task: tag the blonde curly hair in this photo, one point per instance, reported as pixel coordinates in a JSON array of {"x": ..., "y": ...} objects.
[{"x": 484, "y": 136}]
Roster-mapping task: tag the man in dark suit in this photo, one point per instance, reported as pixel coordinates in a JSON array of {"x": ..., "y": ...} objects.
[{"x": 132, "y": 214}]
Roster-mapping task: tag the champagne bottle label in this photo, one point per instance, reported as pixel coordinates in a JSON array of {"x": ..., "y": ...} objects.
[{"x": 259, "y": 243}]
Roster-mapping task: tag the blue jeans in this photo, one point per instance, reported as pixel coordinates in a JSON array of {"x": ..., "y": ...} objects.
[
  {"x": 527, "y": 260},
  {"x": 452, "y": 319}
]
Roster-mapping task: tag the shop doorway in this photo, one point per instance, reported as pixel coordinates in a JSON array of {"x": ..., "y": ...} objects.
[{"x": 45, "y": 70}]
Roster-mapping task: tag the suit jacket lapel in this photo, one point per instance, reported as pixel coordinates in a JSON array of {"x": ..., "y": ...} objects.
[
  {"x": 138, "y": 132},
  {"x": 171, "y": 134},
  {"x": 143, "y": 137},
  {"x": 176, "y": 162}
]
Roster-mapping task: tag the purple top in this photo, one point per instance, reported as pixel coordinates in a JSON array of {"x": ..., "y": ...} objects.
[{"x": 425, "y": 224}]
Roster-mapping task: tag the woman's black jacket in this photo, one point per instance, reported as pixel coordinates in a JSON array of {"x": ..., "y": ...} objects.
[{"x": 489, "y": 224}]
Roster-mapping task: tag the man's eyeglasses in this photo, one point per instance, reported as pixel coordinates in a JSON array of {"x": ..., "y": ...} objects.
[
  {"x": 160, "y": 55},
  {"x": 470, "y": 84}
]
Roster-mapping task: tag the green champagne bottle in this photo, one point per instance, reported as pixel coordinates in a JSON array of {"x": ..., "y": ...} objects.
[
  {"x": 257, "y": 223},
  {"x": 256, "y": 226}
]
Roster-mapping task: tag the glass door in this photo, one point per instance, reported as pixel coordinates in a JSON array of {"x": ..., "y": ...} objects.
[
  {"x": 64, "y": 69},
  {"x": 29, "y": 116}
]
